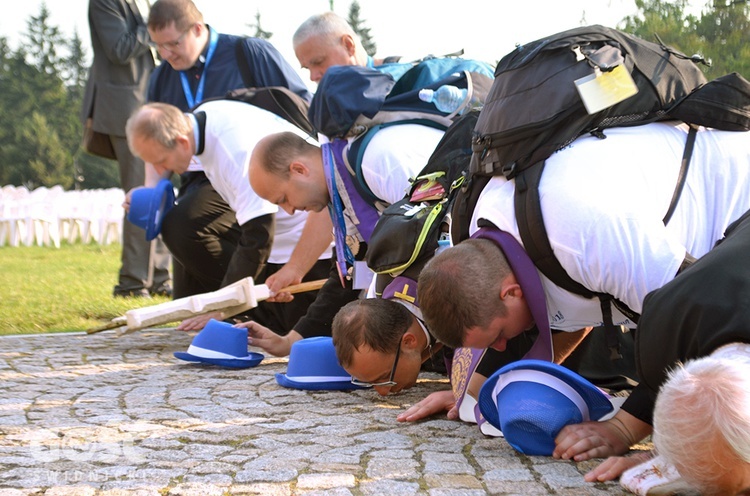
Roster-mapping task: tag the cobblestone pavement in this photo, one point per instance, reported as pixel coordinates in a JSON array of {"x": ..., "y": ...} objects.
[{"x": 107, "y": 415}]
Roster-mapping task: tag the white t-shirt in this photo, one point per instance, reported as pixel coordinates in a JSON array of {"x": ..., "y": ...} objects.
[
  {"x": 396, "y": 154},
  {"x": 232, "y": 130},
  {"x": 603, "y": 203}
]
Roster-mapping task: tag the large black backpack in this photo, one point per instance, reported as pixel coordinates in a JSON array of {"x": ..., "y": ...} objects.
[{"x": 534, "y": 109}]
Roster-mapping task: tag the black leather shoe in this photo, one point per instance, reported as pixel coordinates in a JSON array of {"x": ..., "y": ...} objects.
[
  {"x": 162, "y": 291},
  {"x": 131, "y": 293}
]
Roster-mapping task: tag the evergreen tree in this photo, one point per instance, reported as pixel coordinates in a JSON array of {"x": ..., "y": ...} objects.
[
  {"x": 76, "y": 70},
  {"x": 725, "y": 29},
  {"x": 43, "y": 40},
  {"x": 259, "y": 32},
  {"x": 357, "y": 25},
  {"x": 42, "y": 90},
  {"x": 719, "y": 35}
]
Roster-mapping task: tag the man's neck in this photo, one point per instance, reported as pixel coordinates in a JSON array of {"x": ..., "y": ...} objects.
[
  {"x": 203, "y": 40},
  {"x": 190, "y": 118}
]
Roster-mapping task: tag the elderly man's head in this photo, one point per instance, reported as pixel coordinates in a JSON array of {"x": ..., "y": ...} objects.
[
  {"x": 325, "y": 40},
  {"x": 161, "y": 135},
  {"x": 702, "y": 424}
]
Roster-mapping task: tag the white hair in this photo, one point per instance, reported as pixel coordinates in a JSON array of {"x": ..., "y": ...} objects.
[
  {"x": 328, "y": 25},
  {"x": 702, "y": 419}
]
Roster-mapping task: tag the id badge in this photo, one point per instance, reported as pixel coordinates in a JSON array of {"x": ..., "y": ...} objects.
[
  {"x": 361, "y": 275},
  {"x": 602, "y": 90}
]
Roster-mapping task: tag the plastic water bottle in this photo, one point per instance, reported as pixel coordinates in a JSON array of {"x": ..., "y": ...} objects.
[
  {"x": 444, "y": 242},
  {"x": 447, "y": 98}
]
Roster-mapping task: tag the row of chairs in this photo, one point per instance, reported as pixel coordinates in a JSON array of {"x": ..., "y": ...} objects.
[{"x": 46, "y": 216}]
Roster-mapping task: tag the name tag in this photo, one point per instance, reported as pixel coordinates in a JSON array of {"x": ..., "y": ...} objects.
[{"x": 602, "y": 90}]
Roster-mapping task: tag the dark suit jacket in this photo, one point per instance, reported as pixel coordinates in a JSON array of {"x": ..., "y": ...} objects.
[{"x": 123, "y": 61}]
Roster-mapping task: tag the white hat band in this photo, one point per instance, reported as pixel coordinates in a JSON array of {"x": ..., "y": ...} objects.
[
  {"x": 205, "y": 353},
  {"x": 545, "y": 379},
  {"x": 318, "y": 378}
]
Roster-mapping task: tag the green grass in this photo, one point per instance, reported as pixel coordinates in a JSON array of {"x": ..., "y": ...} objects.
[{"x": 45, "y": 289}]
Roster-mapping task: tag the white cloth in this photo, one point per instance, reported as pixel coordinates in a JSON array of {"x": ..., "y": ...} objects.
[
  {"x": 655, "y": 477},
  {"x": 603, "y": 202},
  {"x": 232, "y": 130}
]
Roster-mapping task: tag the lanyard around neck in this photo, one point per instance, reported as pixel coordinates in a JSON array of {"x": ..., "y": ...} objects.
[{"x": 192, "y": 101}]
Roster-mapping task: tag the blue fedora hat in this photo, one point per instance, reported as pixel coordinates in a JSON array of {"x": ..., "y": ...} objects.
[
  {"x": 148, "y": 206},
  {"x": 221, "y": 344},
  {"x": 313, "y": 365},
  {"x": 531, "y": 400}
]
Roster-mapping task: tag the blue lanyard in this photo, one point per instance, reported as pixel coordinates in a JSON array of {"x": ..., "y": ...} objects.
[
  {"x": 193, "y": 101},
  {"x": 336, "y": 209}
]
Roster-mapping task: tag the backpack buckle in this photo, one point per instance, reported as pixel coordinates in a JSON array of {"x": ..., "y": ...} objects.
[{"x": 509, "y": 170}]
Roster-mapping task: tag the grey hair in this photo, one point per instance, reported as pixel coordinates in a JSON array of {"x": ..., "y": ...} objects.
[
  {"x": 702, "y": 410},
  {"x": 160, "y": 122},
  {"x": 328, "y": 25}
]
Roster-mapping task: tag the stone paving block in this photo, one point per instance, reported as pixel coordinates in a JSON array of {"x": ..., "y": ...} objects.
[
  {"x": 457, "y": 492},
  {"x": 339, "y": 491},
  {"x": 390, "y": 487},
  {"x": 324, "y": 481},
  {"x": 129, "y": 492},
  {"x": 261, "y": 490},
  {"x": 280, "y": 475},
  {"x": 70, "y": 491},
  {"x": 384, "y": 468},
  {"x": 446, "y": 463},
  {"x": 202, "y": 486},
  {"x": 461, "y": 482}
]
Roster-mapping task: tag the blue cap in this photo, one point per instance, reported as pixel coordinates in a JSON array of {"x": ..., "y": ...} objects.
[
  {"x": 530, "y": 401},
  {"x": 313, "y": 365},
  {"x": 148, "y": 206},
  {"x": 219, "y": 343}
]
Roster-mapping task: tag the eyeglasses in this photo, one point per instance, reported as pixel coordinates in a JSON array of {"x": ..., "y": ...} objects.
[
  {"x": 171, "y": 45},
  {"x": 390, "y": 382}
]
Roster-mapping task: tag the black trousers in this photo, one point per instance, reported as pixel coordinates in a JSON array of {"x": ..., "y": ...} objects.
[
  {"x": 202, "y": 234},
  {"x": 136, "y": 251}
]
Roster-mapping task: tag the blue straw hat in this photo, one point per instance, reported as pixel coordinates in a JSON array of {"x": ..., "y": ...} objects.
[
  {"x": 148, "y": 206},
  {"x": 531, "y": 400},
  {"x": 219, "y": 343},
  {"x": 313, "y": 365}
]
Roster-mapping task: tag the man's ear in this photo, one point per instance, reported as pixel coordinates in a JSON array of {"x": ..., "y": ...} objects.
[
  {"x": 348, "y": 42},
  {"x": 410, "y": 340},
  {"x": 299, "y": 168},
  {"x": 184, "y": 141},
  {"x": 509, "y": 288}
]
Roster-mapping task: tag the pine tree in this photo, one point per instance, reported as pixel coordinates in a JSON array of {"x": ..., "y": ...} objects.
[
  {"x": 42, "y": 89},
  {"x": 358, "y": 26},
  {"x": 43, "y": 40},
  {"x": 259, "y": 32}
]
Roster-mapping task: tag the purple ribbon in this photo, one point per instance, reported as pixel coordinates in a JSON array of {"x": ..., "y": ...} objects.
[{"x": 531, "y": 285}]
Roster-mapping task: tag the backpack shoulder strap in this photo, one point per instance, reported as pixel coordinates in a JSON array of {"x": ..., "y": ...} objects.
[
  {"x": 243, "y": 65},
  {"x": 356, "y": 153}
]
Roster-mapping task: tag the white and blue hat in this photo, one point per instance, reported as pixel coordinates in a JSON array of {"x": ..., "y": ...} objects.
[
  {"x": 219, "y": 343},
  {"x": 530, "y": 401},
  {"x": 313, "y": 365},
  {"x": 148, "y": 206}
]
